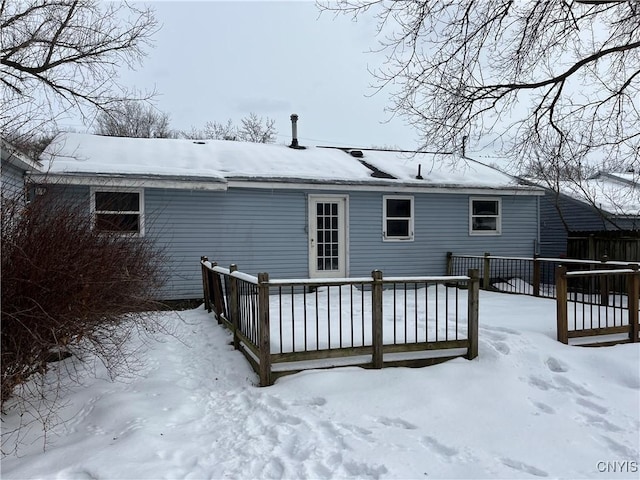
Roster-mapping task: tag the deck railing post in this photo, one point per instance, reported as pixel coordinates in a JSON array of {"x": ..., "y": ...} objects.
[
  {"x": 205, "y": 284},
  {"x": 536, "y": 276},
  {"x": 234, "y": 305},
  {"x": 376, "y": 319},
  {"x": 211, "y": 286},
  {"x": 215, "y": 286},
  {"x": 264, "y": 332},
  {"x": 449, "y": 269},
  {"x": 472, "y": 313},
  {"x": 561, "y": 304},
  {"x": 486, "y": 271},
  {"x": 632, "y": 298}
]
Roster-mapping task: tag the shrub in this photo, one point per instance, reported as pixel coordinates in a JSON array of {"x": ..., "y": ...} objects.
[{"x": 67, "y": 289}]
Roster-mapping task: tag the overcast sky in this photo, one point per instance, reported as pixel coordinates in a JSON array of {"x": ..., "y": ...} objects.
[{"x": 217, "y": 60}]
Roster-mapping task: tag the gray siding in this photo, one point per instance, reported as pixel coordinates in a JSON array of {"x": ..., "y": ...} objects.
[
  {"x": 266, "y": 231},
  {"x": 12, "y": 182},
  {"x": 578, "y": 217}
]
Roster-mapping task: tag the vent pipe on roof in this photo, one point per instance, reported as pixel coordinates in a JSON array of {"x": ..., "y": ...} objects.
[{"x": 294, "y": 131}]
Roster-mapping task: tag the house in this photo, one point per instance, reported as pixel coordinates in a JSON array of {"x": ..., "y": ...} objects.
[
  {"x": 292, "y": 211},
  {"x": 583, "y": 212},
  {"x": 14, "y": 167}
]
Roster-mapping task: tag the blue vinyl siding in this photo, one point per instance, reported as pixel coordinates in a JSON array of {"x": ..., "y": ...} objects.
[
  {"x": 441, "y": 225},
  {"x": 264, "y": 230},
  {"x": 259, "y": 230},
  {"x": 12, "y": 182}
]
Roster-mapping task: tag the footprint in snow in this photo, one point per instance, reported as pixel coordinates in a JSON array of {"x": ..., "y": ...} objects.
[
  {"x": 442, "y": 450},
  {"x": 591, "y": 405},
  {"x": 569, "y": 385},
  {"x": 540, "y": 383},
  {"x": 396, "y": 422},
  {"x": 601, "y": 422},
  {"x": 618, "y": 449},
  {"x": 502, "y": 347},
  {"x": 311, "y": 402},
  {"x": 523, "y": 467},
  {"x": 556, "y": 366},
  {"x": 77, "y": 475},
  {"x": 543, "y": 407}
]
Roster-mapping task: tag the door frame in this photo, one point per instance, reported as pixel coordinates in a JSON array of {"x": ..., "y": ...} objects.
[{"x": 343, "y": 240}]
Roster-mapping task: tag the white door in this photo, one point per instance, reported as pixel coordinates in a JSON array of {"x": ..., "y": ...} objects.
[{"x": 327, "y": 236}]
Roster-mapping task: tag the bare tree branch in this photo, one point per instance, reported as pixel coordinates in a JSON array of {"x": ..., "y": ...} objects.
[
  {"x": 63, "y": 55},
  {"x": 133, "y": 119},
  {"x": 253, "y": 129},
  {"x": 534, "y": 76}
]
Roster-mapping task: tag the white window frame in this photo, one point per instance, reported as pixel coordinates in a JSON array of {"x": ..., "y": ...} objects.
[
  {"x": 140, "y": 211},
  {"x": 387, "y": 238},
  {"x": 498, "y": 217}
]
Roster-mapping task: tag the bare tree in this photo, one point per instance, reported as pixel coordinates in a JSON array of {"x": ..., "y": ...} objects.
[
  {"x": 253, "y": 129},
  {"x": 553, "y": 80},
  {"x": 60, "y": 56},
  {"x": 133, "y": 119},
  {"x": 219, "y": 131}
]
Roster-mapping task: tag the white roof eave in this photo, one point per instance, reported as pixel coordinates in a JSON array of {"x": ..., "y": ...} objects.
[
  {"x": 17, "y": 158},
  {"x": 222, "y": 184},
  {"x": 131, "y": 180}
]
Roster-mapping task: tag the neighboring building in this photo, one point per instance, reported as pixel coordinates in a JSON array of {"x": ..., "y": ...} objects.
[
  {"x": 14, "y": 167},
  {"x": 292, "y": 212},
  {"x": 605, "y": 203}
]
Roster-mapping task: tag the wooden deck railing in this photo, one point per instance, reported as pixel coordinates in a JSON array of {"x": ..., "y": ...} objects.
[
  {"x": 598, "y": 307},
  {"x": 596, "y": 304},
  {"x": 285, "y": 326},
  {"x": 523, "y": 275}
]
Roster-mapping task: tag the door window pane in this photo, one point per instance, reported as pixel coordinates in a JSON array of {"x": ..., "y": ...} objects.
[{"x": 327, "y": 235}]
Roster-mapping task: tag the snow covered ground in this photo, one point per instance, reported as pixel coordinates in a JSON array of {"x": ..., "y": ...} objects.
[{"x": 527, "y": 407}]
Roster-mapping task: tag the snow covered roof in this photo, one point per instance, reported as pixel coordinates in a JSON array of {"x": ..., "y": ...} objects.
[
  {"x": 15, "y": 157},
  {"x": 616, "y": 196},
  {"x": 220, "y": 161}
]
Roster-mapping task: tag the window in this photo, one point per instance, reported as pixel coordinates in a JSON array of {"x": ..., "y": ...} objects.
[
  {"x": 485, "y": 216},
  {"x": 398, "y": 218},
  {"x": 117, "y": 211}
]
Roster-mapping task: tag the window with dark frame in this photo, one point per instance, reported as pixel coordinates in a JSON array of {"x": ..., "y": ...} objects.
[
  {"x": 398, "y": 218},
  {"x": 117, "y": 211},
  {"x": 485, "y": 216}
]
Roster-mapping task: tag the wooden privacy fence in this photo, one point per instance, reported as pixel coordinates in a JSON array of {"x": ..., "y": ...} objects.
[
  {"x": 598, "y": 307},
  {"x": 285, "y": 326},
  {"x": 623, "y": 245},
  {"x": 524, "y": 275}
]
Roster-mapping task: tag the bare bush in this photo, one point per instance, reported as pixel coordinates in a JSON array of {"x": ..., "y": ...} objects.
[
  {"x": 67, "y": 289},
  {"x": 136, "y": 119},
  {"x": 254, "y": 129}
]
